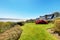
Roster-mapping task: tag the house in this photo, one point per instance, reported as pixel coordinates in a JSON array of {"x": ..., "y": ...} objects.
[{"x": 50, "y": 16}]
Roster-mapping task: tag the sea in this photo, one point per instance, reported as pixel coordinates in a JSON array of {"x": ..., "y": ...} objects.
[{"x": 11, "y": 20}]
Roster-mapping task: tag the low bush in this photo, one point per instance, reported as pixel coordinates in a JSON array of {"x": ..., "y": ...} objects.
[
  {"x": 5, "y": 26},
  {"x": 50, "y": 21},
  {"x": 41, "y": 22},
  {"x": 11, "y": 34},
  {"x": 30, "y": 21},
  {"x": 57, "y": 25},
  {"x": 20, "y": 23}
]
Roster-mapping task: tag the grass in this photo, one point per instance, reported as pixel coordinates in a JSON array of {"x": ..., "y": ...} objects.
[{"x": 32, "y": 31}]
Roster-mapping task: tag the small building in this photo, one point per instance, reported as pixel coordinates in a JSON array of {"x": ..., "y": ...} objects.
[{"x": 50, "y": 16}]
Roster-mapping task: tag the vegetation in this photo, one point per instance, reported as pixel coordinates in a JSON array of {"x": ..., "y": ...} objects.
[
  {"x": 5, "y": 25},
  {"x": 30, "y": 21},
  {"x": 20, "y": 23},
  {"x": 57, "y": 25},
  {"x": 11, "y": 34},
  {"x": 32, "y": 31},
  {"x": 41, "y": 22}
]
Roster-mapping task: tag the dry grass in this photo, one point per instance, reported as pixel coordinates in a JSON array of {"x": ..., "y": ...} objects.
[
  {"x": 5, "y": 26},
  {"x": 11, "y": 34},
  {"x": 57, "y": 25}
]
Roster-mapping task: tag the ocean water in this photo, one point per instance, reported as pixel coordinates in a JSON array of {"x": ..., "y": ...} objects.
[{"x": 11, "y": 20}]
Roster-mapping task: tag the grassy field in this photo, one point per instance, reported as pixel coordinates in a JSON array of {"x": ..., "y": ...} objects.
[{"x": 32, "y": 31}]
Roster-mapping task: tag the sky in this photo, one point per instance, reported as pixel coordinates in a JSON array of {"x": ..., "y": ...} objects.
[{"x": 27, "y": 9}]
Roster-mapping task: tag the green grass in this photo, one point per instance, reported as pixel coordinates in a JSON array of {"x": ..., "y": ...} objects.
[{"x": 32, "y": 31}]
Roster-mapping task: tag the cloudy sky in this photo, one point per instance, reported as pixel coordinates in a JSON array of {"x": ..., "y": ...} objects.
[{"x": 25, "y": 9}]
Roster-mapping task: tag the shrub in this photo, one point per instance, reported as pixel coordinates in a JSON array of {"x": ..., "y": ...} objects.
[
  {"x": 50, "y": 21},
  {"x": 57, "y": 25},
  {"x": 30, "y": 21},
  {"x": 11, "y": 23},
  {"x": 5, "y": 26},
  {"x": 11, "y": 34},
  {"x": 20, "y": 23},
  {"x": 41, "y": 22}
]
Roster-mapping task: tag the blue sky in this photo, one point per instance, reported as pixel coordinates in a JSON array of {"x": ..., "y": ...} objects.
[{"x": 25, "y": 9}]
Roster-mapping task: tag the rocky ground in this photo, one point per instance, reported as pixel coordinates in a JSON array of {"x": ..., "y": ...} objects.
[{"x": 54, "y": 34}]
